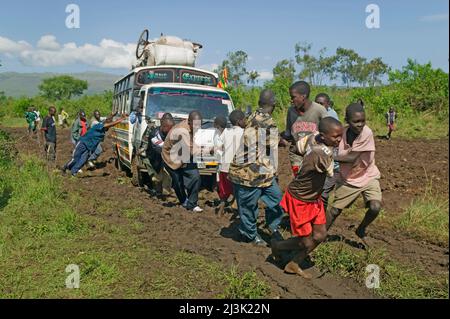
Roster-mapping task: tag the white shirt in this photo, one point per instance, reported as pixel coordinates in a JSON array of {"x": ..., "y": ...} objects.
[{"x": 227, "y": 145}]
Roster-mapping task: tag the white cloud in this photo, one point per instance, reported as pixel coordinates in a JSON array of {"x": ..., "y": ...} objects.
[
  {"x": 48, "y": 52},
  {"x": 12, "y": 47},
  {"x": 48, "y": 42},
  {"x": 434, "y": 18},
  {"x": 265, "y": 75}
]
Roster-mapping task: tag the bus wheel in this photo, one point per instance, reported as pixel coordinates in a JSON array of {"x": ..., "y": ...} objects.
[
  {"x": 117, "y": 162},
  {"x": 136, "y": 178}
]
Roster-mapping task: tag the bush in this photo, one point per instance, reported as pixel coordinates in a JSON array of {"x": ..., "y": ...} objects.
[
  {"x": 415, "y": 88},
  {"x": 89, "y": 103}
]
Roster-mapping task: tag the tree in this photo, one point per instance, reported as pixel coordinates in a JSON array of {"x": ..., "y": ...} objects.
[
  {"x": 314, "y": 69},
  {"x": 350, "y": 65},
  {"x": 62, "y": 87},
  {"x": 376, "y": 68},
  {"x": 424, "y": 88},
  {"x": 283, "y": 77},
  {"x": 307, "y": 61},
  {"x": 236, "y": 64},
  {"x": 252, "y": 77}
]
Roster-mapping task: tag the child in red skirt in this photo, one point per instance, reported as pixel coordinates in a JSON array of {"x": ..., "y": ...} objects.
[
  {"x": 302, "y": 199},
  {"x": 226, "y": 146}
]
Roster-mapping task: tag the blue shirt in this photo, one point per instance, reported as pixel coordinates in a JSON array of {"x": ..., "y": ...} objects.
[
  {"x": 93, "y": 137},
  {"x": 332, "y": 113}
]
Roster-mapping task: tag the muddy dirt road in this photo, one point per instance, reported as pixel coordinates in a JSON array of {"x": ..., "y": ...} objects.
[{"x": 406, "y": 168}]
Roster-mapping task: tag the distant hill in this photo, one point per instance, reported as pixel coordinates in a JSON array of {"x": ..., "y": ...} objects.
[{"x": 26, "y": 84}]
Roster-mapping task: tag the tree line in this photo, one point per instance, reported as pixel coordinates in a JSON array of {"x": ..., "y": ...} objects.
[{"x": 346, "y": 65}]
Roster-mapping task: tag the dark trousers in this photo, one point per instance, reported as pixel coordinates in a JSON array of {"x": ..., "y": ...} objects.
[
  {"x": 186, "y": 179},
  {"x": 79, "y": 158}
]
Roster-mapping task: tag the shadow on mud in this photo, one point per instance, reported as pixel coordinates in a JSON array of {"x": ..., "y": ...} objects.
[{"x": 350, "y": 242}]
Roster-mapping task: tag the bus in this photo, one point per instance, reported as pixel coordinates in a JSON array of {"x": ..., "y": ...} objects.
[{"x": 174, "y": 89}]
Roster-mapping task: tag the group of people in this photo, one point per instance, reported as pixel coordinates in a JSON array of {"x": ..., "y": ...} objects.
[
  {"x": 80, "y": 128},
  {"x": 325, "y": 158}
]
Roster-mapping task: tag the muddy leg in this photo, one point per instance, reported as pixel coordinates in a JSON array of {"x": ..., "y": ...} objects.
[
  {"x": 309, "y": 243},
  {"x": 332, "y": 214},
  {"x": 371, "y": 214}
]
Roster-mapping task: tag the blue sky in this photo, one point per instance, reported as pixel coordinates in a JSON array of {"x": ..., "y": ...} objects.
[{"x": 267, "y": 31}]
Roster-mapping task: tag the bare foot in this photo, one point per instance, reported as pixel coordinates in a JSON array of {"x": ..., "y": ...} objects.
[
  {"x": 294, "y": 269},
  {"x": 361, "y": 233}
]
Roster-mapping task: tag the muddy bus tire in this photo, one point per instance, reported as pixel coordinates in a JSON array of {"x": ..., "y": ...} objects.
[
  {"x": 117, "y": 163},
  {"x": 136, "y": 175}
]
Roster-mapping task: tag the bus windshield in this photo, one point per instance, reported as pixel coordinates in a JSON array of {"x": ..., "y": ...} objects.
[{"x": 183, "y": 101}]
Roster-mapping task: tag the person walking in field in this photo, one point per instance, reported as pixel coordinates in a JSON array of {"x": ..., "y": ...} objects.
[
  {"x": 358, "y": 173},
  {"x": 48, "y": 130},
  {"x": 30, "y": 117},
  {"x": 254, "y": 169},
  {"x": 302, "y": 199},
  {"x": 303, "y": 119},
  {"x": 38, "y": 118},
  {"x": 88, "y": 143},
  {"x": 391, "y": 118},
  {"x": 226, "y": 147},
  {"x": 62, "y": 118}
]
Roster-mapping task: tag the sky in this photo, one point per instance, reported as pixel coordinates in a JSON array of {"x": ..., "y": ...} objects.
[{"x": 34, "y": 36}]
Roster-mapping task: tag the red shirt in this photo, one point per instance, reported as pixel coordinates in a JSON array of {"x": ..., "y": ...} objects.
[{"x": 83, "y": 127}]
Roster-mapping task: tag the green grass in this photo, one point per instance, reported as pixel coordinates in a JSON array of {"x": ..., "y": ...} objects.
[
  {"x": 42, "y": 231},
  {"x": 396, "y": 280},
  {"x": 411, "y": 126},
  {"x": 415, "y": 126},
  {"x": 244, "y": 286},
  {"x": 13, "y": 122},
  {"x": 426, "y": 218}
]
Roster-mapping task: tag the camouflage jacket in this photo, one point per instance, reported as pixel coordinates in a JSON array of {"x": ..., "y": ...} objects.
[{"x": 256, "y": 161}]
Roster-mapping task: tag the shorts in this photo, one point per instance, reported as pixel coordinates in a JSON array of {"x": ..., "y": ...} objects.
[
  {"x": 345, "y": 194},
  {"x": 303, "y": 214},
  {"x": 391, "y": 127},
  {"x": 224, "y": 186}
]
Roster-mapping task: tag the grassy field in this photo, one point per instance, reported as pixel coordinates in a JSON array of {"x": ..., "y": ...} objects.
[
  {"x": 42, "y": 232},
  {"x": 397, "y": 280},
  {"x": 13, "y": 122}
]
